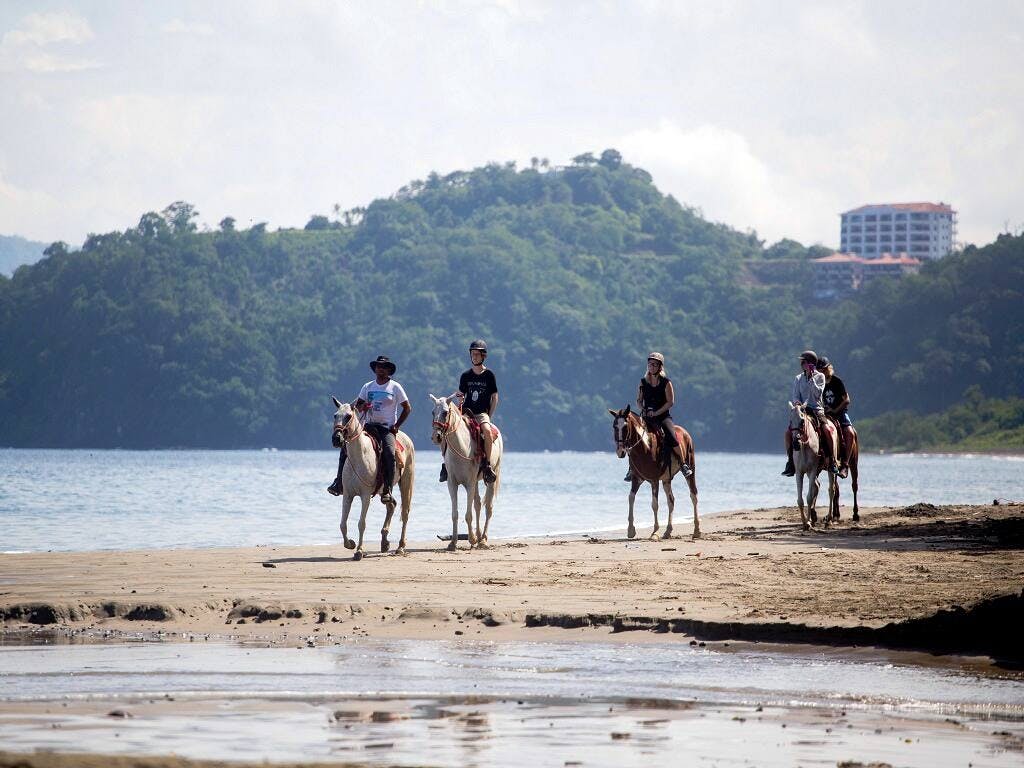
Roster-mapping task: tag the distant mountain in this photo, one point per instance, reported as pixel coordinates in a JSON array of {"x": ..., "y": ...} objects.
[{"x": 15, "y": 251}]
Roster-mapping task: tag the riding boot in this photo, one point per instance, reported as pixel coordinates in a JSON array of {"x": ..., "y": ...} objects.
[
  {"x": 444, "y": 474},
  {"x": 684, "y": 467},
  {"x": 335, "y": 488},
  {"x": 489, "y": 476},
  {"x": 629, "y": 475},
  {"x": 790, "y": 469},
  {"x": 385, "y": 495}
]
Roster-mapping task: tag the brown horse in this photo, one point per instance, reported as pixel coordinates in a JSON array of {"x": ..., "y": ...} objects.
[
  {"x": 633, "y": 439},
  {"x": 852, "y": 453}
]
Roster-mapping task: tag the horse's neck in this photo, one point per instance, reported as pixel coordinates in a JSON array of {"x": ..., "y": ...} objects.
[
  {"x": 643, "y": 437},
  {"x": 361, "y": 453},
  {"x": 812, "y": 434},
  {"x": 459, "y": 438}
]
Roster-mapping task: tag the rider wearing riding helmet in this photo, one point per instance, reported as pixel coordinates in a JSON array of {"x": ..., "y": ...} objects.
[
  {"x": 807, "y": 390},
  {"x": 655, "y": 396},
  {"x": 478, "y": 396},
  {"x": 381, "y": 400},
  {"x": 837, "y": 400}
]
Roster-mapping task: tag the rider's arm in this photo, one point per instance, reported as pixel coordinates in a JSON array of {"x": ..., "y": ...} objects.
[
  {"x": 360, "y": 404},
  {"x": 670, "y": 399},
  {"x": 640, "y": 398},
  {"x": 494, "y": 404},
  {"x": 406, "y": 410}
]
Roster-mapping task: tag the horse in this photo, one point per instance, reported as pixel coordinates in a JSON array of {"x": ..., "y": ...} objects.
[
  {"x": 451, "y": 428},
  {"x": 808, "y": 462},
  {"x": 633, "y": 439},
  {"x": 853, "y": 454},
  {"x": 360, "y": 476}
]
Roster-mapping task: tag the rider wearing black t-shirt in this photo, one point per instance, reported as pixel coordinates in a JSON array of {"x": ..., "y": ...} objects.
[
  {"x": 478, "y": 394},
  {"x": 655, "y": 397},
  {"x": 836, "y": 401}
]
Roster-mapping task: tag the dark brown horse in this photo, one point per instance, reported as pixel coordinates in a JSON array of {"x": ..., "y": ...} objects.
[
  {"x": 852, "y": 453},
  {"x": 633, "y": 439}
]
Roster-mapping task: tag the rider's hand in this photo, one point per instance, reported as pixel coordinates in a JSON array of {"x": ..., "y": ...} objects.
[
  {"x": 393, "y": 430},
  {"x": 650, "y": 413}
]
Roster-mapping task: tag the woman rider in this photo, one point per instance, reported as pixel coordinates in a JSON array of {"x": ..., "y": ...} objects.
[{"x": 655, "y": 396}]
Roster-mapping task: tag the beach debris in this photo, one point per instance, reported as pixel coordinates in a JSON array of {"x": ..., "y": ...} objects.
[
  {"x": 448, "y": 537},
  {"x": 269, "y": 565},
  {"x": 620, "y": 736},
  {"x": 119, "y": 713},
  {"x": 668, "y": 549}
]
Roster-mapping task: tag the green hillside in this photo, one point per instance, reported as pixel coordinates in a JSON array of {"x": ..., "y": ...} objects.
[{"x": 166, "y": 336}]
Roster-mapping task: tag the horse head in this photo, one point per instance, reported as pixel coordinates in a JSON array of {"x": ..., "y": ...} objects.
[
  {"x": 796, "y": 415},
  {"x": 345, "y": 424},
  {"x": 439, "y": 417},
  {"x": 621, "y": 429}
]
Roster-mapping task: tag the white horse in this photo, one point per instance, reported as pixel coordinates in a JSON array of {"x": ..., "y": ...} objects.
[
  {"x": 807, "y": 461},
  {"x": 359, "y": 477},
  {"x": 461, "y": 457}
]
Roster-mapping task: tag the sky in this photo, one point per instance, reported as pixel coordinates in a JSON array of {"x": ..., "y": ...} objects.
[{"x": 773, "y": 117}]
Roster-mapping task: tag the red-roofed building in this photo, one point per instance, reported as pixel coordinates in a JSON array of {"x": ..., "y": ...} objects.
[
  {"x": 923, "y": 230},
  {"x": 841, "y": 274}
]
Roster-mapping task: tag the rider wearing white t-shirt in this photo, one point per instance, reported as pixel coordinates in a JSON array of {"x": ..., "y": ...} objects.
[{"x": 387, "y": 408}]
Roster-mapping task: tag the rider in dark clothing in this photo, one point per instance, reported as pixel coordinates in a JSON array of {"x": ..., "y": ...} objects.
[
  {"x": 836, "y": 401},
  {"x": 655, "y": 396}
]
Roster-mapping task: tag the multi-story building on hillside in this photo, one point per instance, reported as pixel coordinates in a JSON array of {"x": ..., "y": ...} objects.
[
  {"x": 922, "y": 230},
  {"x": 841, "y": 274}
]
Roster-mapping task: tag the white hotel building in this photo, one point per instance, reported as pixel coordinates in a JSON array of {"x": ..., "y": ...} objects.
[{"x": 922, "y": 230}]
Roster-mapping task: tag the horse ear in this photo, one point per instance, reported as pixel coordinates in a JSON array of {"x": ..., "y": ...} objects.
[
  {"x": 628, "y": 408},
  {"x": 432, "y": 398},
  {"x": 613, "y": 413},
  {"x": 337, "y": 403}
]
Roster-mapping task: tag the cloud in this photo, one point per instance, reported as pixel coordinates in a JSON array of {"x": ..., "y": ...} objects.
[
  {"x": 179, "y": 27},
  {"x": 46, "y": 28},
  {"x": 23, "y": 48},
  {"x": 715, "y": 169}
]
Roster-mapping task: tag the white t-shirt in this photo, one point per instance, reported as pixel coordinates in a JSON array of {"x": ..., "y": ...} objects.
[{"x": 384, "y": 400}]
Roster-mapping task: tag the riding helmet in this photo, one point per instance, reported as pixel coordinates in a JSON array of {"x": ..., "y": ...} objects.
[
  {"x": 823, "y": 363},
  {"x": 656, "y": 356},
  {"x": 809, "y": 357},
  {"x": 479, "y": 345}
]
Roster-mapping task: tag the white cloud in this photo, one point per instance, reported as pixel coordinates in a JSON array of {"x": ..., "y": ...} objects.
[
  {"x": 24, "y": 47},
  {"x": 46, "y": 28},
  {"x": 179, "y": 27}
]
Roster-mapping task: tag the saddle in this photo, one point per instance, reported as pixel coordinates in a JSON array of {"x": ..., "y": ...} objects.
[
  {"x": 476, "y": 434},
  {"x": 378, "y": 482},
  {"x": 658, "y": 445}
]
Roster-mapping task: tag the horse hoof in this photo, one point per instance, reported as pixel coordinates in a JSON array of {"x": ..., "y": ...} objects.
[
  {"x": 452, "y": 547},
  {"x": 667, "y": 535},
  {"x": 349, "y": 544},
  {"x": 631, "y": 532},
  {"x": 856, "y": 517},
  {"x": 400, "y": 551},
  {"x": 696, "y": 535},
  {"x": 807, "y": 526},
  {"x": 358, "y": 555},
  {"x": 385, "y": 545}
]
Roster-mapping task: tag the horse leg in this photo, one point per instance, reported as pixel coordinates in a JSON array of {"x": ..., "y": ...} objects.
[
  {"x": 800, "y": 498},
  {"x": 406, "y": 488},
  {"x": 634, "y": 485},
  {"x": 385, "y": 545},
  {"x": 834, "y": 502},
  {"x": 671, "y": 499},
  {"x": 476, "y": 507},
  {"x": 359, "y": 553},
  {"x": 471, "y": 496},
  {"x": 812, "y": 495},
  {"x": 346, "y": 507},
  {"x": 654, "y": 508},
  {"x": 488, "y": 510},
  {"x": 853, "y": 484},
  {"x": 453, "y": 492}
]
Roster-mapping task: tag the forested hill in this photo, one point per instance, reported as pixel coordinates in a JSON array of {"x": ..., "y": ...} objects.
[
  {"x": 15, "y": 251},
  {"x": 166, "y": 336}
]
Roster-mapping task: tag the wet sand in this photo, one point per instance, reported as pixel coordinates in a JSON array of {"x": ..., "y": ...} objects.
[{"x": 940, "y": 579}]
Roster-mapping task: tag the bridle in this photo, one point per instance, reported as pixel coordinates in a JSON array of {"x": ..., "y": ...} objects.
[
  {"x": 342, "y": 428},
  {"x": 449, "y": 425},
  {"x": 620, "y": 440}
]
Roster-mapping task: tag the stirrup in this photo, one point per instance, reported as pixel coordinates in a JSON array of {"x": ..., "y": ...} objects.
[
  {"x": 386, "y": 497},
  {"x": 687, "y": 472},
  {"x": 489, "y": 476},
  {"x": 629, "y": 476},
  {"x": 335, "y": 488}
]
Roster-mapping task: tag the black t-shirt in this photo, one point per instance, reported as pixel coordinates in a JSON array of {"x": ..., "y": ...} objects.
[
  {"x": 655, "y": 396},
  {"x": 478, "y": 388},
  {"x": 834, "y": 393}
]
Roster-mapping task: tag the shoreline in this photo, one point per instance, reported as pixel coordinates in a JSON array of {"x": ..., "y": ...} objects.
[{"x": 938, "y": 579}]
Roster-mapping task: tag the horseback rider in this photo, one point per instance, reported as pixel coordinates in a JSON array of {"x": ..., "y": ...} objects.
[
  {"x": 478, "y": 396},
  {"x": 837, "y": 400},
  {"x": 380, "y": 399},
  {"x": 807, "y": 390},
  {"x": 654, "y": 397}
]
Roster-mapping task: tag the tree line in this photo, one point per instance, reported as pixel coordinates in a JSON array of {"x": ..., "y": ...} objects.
[{"x": 167, "y": 336}]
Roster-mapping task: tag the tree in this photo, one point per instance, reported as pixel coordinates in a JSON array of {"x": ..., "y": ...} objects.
[
  {"x": 227, "y": 224},
  {"x": 611, "y": 159},
  {"x": 318, "y": 222},
  {"x": 179, "y": 216}
]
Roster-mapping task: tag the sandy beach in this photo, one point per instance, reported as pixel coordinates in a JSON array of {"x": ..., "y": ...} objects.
[{"x": 940, "y": 579}]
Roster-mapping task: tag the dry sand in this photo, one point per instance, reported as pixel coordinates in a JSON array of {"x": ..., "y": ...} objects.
[{"x": 942, "y": 579}]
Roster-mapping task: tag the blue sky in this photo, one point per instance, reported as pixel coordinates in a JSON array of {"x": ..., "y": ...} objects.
[{"x": 774, "y": 117}]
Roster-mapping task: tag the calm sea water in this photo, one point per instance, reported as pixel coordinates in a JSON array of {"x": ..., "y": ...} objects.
[{"x": 83, "y": 500}]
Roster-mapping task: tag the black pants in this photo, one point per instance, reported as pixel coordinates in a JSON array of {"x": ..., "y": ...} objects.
[
  {"x": 387, "y": 454},
  {"x": 668, "y": 428}
]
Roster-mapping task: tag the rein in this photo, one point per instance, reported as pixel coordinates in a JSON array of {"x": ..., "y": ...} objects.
[
  {"x": 448, "y": 427},
  {"x": 640, "y": 432}
]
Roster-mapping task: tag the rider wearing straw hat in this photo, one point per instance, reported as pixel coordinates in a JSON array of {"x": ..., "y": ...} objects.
[
  {"x": 381, "y": 400},
  {"x": 655, "y": 396}
]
